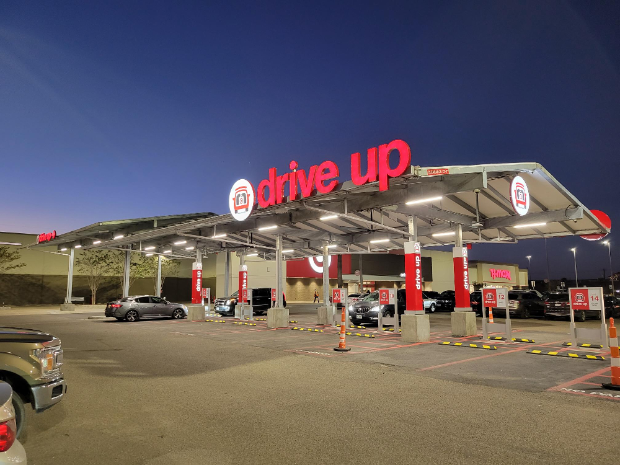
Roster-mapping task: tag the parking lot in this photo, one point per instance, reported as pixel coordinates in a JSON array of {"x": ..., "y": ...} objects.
[{"x": 183, "y": 392}]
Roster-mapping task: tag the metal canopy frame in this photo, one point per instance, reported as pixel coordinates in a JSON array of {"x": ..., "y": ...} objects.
[{"x": 362, "y": 219}]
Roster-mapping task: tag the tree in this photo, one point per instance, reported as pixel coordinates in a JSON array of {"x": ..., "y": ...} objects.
[
  {"x": 7, "y": 257},
  {"x": 96, "y": 265},
  {"x": 139, "y": 267}
]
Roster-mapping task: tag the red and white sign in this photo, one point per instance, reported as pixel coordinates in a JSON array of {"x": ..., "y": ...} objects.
[
  {"x": 274, "y": 295},
  {"x": 437, "y": 171},
  {"x": 338, "y": 296},
  {"x": 243, "y": 284},
  {"x": 494, "y": 297},
  {"x": 387, "y": 296},
  {"x": 46, "y": 237},
  {"x": 413, "y": 277},
  {"x": 196, "y": 283},
  {"x": 241, "y": 199},
  {"x": 519, "y": 196},
  {"x": 605, "y": 221},
  {"x": 500, "y": 274},
  {"x": 322, "y": 178},
  {"x": 586, "y": 298},
  {"x": 206, "y": 292},
  {"x": 461, "y": 278}
]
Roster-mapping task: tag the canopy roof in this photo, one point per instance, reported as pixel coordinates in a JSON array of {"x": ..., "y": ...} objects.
[{"x": 362, "y": 219}]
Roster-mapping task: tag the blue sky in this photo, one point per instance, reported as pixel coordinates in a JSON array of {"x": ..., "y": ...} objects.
[{"x": 126, "y": 109}]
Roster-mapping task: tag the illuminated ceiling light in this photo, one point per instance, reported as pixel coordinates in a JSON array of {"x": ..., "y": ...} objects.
[
  {"x": 331, "y": 246},
  {"x": 267, "y": 228},
  {"x": 288, "y": 251},
  {"x": 530, "y": 225},
  {"x": 64, "y": 249},
  {"x": 329, "y": 217},
  {"x": 150, "y": 247},
  {"x": 180, "y": 242},
  {"x": 252, "y": 255},
  {"x": 189, "y": 248},
  {"x": 167, "y": 251},
  {"x": 217, "y": 236},
  {"x": 449, "y": 233},
  {"x": 96, "y": 242},
  {"x": 120, "y": 236},
  {"x": 79, "y": 246},
  {"x": 149, "y": 254},
  {"x": 430, "y": 199},
  {"x": 379, "y": 241},
  {"x": 10, "y": 243}
]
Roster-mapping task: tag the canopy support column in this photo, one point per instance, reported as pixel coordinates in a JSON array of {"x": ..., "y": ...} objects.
[
  {"x": 126, "y": 271},
  {"x": 158, "y": 284}
]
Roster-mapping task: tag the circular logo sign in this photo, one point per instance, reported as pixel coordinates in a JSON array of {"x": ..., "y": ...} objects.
[
  {"x": 519, "y": 196},
  {"x": 241, "y": 199},
  {"x": 318, "y": 267}
]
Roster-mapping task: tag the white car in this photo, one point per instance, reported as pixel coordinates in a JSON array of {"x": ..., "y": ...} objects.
[
  {"x": 11, "y": 451},
  {"x": 429, "y": 303}
]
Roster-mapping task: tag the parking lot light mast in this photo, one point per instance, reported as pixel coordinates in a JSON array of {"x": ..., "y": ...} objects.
[
  {"x": 529, "y": 266},
  {"x": 574, "y": 250},
  {"x": 611, "y": 271}
]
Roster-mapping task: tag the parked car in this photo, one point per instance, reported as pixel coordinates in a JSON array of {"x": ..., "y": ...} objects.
[
  {"x": 261, "y": 302},
  {"x": 144, "y": 306},
  {"x": 352, "y": 298},
  {"x": 523, "y": 304},
  {"x": 31, "y": 362},
  {"x": 445, "y": 301},
  {"x": 11, "y": 451},
  {"x": 612, "y": 306},
  {"x": 557, "y": 305},
  {"x": 430, "y": 302},
  {"x": 475, "y": 299},
  {"x": 367, "y": 310}
]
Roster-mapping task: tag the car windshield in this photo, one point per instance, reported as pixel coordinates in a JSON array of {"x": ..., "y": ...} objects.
[
  {"x": 558, "y": 297},
  {"x": 234, "y": 294},
  {"x": 447, "y": 294},
  {"x": 371, "y": 297}
]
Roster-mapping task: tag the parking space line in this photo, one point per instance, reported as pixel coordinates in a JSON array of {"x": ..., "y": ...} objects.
[{"x": 495, "y": 354}]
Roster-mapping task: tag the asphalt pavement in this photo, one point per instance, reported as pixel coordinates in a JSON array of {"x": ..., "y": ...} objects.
[{"x": 167, "y": 392}]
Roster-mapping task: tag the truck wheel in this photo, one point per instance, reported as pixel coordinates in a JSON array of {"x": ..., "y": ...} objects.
[
  {"x": 132, "y": 315},
  {"x": 20, "y": 416}
]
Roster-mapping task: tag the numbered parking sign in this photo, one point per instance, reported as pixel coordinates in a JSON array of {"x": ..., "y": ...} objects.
[
  {"x": 586, "y": 298},
  {"x": 337, "y": 296},
  {"x": 206, "y": 291}
]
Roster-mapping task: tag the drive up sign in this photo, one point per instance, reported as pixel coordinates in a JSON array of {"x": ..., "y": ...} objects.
[
  {"x": 590, "y": 298},
  {"x": 494, "y": 297},
  {"x": 387, "y": 296}
]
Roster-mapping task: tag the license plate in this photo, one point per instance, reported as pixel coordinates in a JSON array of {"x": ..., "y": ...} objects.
[
  {"x": 558, "y": 305},
  {"x": 358, "y": 316}
]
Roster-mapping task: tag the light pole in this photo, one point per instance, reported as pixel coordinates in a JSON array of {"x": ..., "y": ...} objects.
[
  {"x": 574, "y": 250},
  {"x": 611, "y": 271},
  {"x": 529, "y": 265}
]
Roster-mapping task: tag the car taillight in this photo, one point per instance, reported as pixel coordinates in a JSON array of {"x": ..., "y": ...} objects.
[
  {"x": 547, "y": 302},
  {"x": 115, "y": 305},
  {"x": 7, "y": 435}
]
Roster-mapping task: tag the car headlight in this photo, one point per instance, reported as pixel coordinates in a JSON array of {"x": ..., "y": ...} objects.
[
  {"x": 228, "y": 302},
  {"x": 50, "y": 359},
  {"x": 375, "y": 308}
]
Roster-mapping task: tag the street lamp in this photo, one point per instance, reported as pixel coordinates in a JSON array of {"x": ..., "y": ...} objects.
[
  {"x": 611, "y": 271},
  {"x": 529, "y": 265},
  {"x": 574, "y": 250}
]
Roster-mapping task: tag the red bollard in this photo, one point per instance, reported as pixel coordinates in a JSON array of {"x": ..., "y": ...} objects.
[{"x": 342, "y": 347}]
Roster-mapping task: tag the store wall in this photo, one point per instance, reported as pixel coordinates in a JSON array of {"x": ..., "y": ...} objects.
[
  {"x": 443, "y": 270},
  {"x": 261, "y": 273}
]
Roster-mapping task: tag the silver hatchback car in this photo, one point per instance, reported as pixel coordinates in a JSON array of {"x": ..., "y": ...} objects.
[{"x": 144, "y": 306}]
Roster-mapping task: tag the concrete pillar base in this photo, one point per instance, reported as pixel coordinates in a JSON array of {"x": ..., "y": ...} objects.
[
  {"x": 67, "y": 307},
  {"x": 464, "y": 324},
  {"x": 196, "y": 313},
  {"x": 277, "y": 317},
  {"x": 324, "y": 316},
  {"x": 415, "y": 328}
]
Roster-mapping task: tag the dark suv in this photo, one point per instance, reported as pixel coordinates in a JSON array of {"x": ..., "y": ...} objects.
[
  {"x": 367, "y": 309},
  {"x": 557, "y": 305},
  {"x": 445, "y": 301},
  {"x": 523, "y": 304},
  {"x": 475, "y": 300}
]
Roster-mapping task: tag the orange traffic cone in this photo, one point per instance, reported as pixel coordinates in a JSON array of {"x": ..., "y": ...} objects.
[
  {"x": 342, "y": 347},
  {"x": 615, "y": 358},
  {"x": 491, "y": 314}
]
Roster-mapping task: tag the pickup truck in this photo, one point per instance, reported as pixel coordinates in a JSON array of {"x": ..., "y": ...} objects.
[{"x": 31, "y": 362}]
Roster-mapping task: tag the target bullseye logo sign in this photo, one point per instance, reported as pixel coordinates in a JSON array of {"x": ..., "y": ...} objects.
[
  {"x": 241, "y": 199},
  {"x": 316, "y": 263},
  {"x": 519, "y": 196}
]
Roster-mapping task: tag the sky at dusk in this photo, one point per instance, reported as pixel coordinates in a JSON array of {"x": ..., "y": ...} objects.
[{"x": 113, "y": 110}]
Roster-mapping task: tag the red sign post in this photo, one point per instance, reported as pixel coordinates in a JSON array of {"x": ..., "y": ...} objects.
[
  {"x": 196, "y": 283},
  {"x": 274, "y": 295},
  {"x": 243, "y": 284},
  {"x": 461, "y": 279},
  {"x": 413, "y": 277}
]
